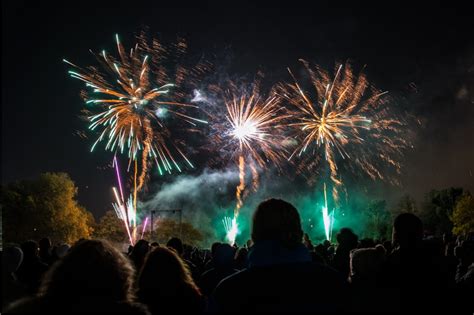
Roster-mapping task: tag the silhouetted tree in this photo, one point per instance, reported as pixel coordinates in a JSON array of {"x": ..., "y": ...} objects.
[
  {"x": 437, "y": 209},
  {"x": 377, "y": 219}
]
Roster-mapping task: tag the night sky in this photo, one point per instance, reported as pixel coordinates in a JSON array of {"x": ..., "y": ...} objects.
[{"x": 423, "y": 55}]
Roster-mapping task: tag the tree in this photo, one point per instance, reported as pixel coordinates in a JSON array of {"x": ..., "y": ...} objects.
[
  {"x": 377, "y": 219},
  {"x": 45, "y": 206},
  {"x": 405, "y": 204},
  {"x": 111, "y": 228},
  {"x": 463, "y": 215},
  {"x": 438, "y": 208}
]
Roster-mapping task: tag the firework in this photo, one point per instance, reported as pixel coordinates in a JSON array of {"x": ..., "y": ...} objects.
[
  {"x": 344, "y": 123},
  {"x": 144, "y": 227},
  {"x": 131, "y": 95},
  {"x": 125, "y": 210},
  {"x": 231, "y": 228},
  {"x": 253, "y": 132},
  {"x": 328, "y": 218}
]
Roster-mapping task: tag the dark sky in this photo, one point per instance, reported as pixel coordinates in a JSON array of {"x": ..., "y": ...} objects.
[{"x": 423, "y": 55}]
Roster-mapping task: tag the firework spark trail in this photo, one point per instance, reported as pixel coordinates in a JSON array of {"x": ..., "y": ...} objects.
[
  {"x": 328, "y": 219},
  {"x": 231, "y": 228},
  {"x": 255, "y": 178},
  {"x": 144, "y": 227},
  {"x": 115, "y": 163},
  {"x": 147, "y": 143},
  {"x": 122, "y": 214},
  {"x": 241, "y": 187},
  {"x": 126, "y": 210},
  {"x": 134, "y": 228},
  {"x": 333, "y": 168}
]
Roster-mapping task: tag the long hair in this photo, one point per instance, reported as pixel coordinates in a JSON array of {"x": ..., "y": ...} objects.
[
  {"x": 165, "y": 273},
  {"x": 91, "y": 268}
]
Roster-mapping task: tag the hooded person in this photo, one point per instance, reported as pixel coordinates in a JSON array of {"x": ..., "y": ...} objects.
[{"x": 280, "y": 269}]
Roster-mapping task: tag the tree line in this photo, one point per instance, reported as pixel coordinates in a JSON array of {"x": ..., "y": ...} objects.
[{"x": 48, "y": 206}]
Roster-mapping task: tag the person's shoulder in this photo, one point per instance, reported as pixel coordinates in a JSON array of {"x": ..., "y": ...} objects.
[
  {"x": 232, "y": 280},
  {"x": 223, "y": 296},
  {"x": 208, "y": 272},
  {"x": 132, "y": 308},
  {"x": 24, "y": 305}
]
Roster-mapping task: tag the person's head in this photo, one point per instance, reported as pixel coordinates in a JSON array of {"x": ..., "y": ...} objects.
[
  {"x": 407, "y": 230},
  {"x": 164, "y": 272},
  {"x": 320, "y": 249},
  {"x": 30, "y": 249},
  {"x": 381, "y": 249},
  {"x": 176, "y": 244},
  {"x": 365, "y": 263},
  {"x": 154, "y": 244},
  {"x": 347, "y": 239},
  {"x": 241, "y": 258},
  {"x": 277, "y": 220},
  {"x": 12, "y": 257},
  {"x": 366, "y": 243},
  {"x": 388, "y": 246},
  {"x": 214, "y": 247},
  {"x": 448, "y": 237},
  {"x": 61, "y": 250},
  {"x": 44, "y": 244},
  {"x": 141, "y": 248},
  {"x": 91, "y": 268},
  {"x": 224, "y": 255},
  {"x": 465, "y": 252}
]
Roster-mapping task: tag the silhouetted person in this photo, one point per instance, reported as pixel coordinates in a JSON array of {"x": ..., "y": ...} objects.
[
  {"x": 366, "y": 243},
  {"x": 31, "y": 269},
  {"x": 449, "y": 244},
  {"x": 138, "y": 254},
  {"x": 388, "y": 247},
  {"x": 60, "y": 251},
  {"x": 347, "y": 241},
  {"x": 210, "y": 263},
  {"x": 417, "y": 279},
  {"x": 223, "y": 267},
  {"x": 45, "y": 251},
  {"x": 12, "y": 289},
  {"x": 248, "y": 244},
  {"x": 166, "y": 286},
  {"x": 240, "y": 259},
  {"x": 92, "y": 277},
  {"x": 177, "y": 245},
  {"x": 280, "y": 274},
  {"x": 465, "y": 270},
  {"x": 307, "y": 242},
  {"x": 129, "y": 249},
  {"x": 365, "y": 267}
]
